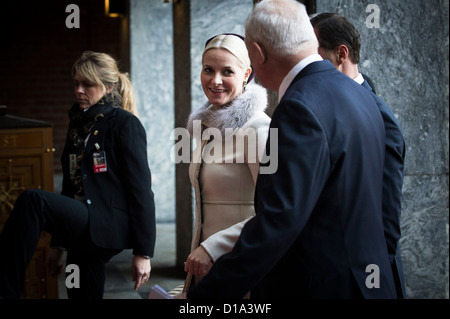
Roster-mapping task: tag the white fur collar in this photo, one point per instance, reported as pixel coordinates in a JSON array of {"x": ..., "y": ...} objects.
[{"x": 235, "y": 115}]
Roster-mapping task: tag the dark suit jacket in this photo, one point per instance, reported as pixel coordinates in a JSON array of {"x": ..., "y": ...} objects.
[
  {"x": 120, "y": 201},
  {"x": 392, "y": 188},
  {"x": 318, "y": 229},
  {"x": 368, "y": 83}
]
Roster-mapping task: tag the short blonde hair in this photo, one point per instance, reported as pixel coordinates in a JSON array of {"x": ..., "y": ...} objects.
[
  {"x": 233, "y": 44},
  {"x": 101, "y": 69}
]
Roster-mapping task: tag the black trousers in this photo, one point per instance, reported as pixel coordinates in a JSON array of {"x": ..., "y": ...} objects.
[{"x": 68, "y": 219}]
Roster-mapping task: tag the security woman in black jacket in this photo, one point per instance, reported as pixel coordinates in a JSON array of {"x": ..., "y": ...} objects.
[{"x": 106, "y": 204}]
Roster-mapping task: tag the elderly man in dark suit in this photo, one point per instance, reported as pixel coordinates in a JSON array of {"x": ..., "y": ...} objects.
[
  {"x": 318, "y": 230},
  {"x": 340, "y": 42}
]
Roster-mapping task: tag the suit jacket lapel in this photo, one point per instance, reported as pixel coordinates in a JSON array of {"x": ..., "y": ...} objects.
[
  {"x": 97, "y": 133},
  {"x": 367, "y": 86}
]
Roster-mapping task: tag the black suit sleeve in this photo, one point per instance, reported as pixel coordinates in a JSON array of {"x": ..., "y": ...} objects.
[
  {"x": 370, "y": 83},
  {"x": 132, "y": 147},
  {"x": 392, "y": 177},
  {"x": 284, "y": 201}
]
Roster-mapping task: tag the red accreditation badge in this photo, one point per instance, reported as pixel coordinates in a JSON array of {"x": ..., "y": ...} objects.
[{"x": 99, "y": 162}]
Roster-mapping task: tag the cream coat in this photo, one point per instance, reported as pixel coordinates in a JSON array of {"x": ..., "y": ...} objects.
[{"x": 224, "y": 169}]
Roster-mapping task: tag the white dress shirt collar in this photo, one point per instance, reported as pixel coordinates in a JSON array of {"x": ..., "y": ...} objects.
[
  {"x": 359, "y": 79},
  {"x": 294, "y": 71}
]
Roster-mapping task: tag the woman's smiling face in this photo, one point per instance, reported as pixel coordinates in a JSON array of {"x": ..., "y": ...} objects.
[{"x": 222, "y": 76}]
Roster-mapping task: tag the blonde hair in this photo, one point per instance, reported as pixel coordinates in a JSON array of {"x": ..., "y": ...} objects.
[
  {"x": 101, "y": 69},
  {"x": 234, "y": 45}
]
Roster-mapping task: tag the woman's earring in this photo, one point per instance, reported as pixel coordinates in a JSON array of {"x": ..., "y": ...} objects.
[{"x": 245, "y": 85}]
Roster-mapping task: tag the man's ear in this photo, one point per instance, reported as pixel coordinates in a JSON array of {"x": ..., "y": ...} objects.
[
  {"x": 260, "y": 53},
  {"x": 342, "y": 54}
]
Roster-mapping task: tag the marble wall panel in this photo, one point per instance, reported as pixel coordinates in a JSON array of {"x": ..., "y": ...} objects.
[
  {"x": 151, "y": 45},
  {"x": 424, "y": 241}
]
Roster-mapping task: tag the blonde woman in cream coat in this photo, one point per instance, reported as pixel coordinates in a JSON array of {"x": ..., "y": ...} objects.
[{"x": 230, "y": 132}]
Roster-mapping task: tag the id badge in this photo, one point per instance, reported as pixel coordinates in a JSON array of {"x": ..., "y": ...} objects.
[
  {"x": 99, "y": 162},
  {"x": 72, "y": 165}
]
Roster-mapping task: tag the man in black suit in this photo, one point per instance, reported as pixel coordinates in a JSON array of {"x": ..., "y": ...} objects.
[
  {"x": 340, "y": 42},
  {"x": 318, "y": 229}
]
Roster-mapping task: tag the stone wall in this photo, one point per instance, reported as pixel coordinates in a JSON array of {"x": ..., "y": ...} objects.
[
  {"x": 151, "y": 46},
  {"x": 406, "y": 55}
]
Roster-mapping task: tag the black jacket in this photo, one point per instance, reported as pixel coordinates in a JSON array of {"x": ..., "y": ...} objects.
[
  {"x": 120, "y": 200},
  {"x": 392, "y": 188}
]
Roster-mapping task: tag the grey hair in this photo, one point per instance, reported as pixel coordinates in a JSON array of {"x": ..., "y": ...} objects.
[{"x": 282, "y": 26}]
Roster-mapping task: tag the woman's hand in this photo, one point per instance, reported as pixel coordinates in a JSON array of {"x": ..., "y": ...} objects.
[
  {"x": 53, "y": 264},
  {"x": 180, "y": 296},
  {"x": 198, "y": 262},
  {"x": 141, "y": 270}
]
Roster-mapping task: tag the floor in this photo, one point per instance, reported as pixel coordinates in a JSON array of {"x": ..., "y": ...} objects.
[{"x": 118, "y": 283}]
